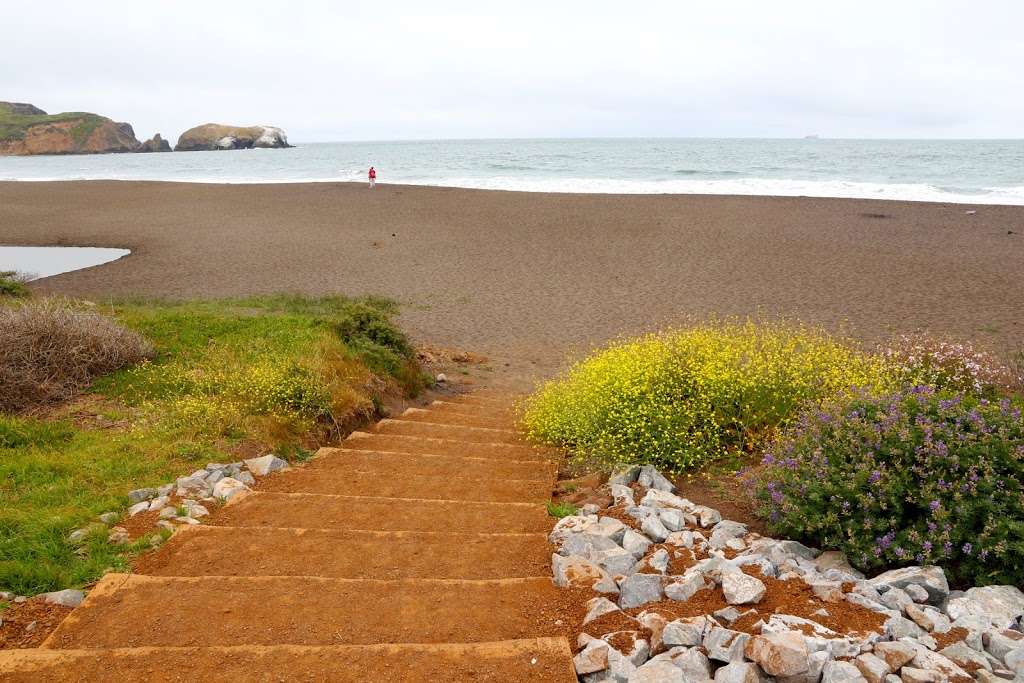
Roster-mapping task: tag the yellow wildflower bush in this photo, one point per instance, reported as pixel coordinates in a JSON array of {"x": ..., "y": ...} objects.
[{"x": 684, "y": 396}]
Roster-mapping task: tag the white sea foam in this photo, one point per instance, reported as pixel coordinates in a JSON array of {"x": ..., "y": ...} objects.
[{"x": 739, "y": 186}]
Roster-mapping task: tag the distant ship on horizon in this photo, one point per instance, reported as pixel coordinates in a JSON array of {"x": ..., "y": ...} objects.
[{"x": 812, "y": 137}]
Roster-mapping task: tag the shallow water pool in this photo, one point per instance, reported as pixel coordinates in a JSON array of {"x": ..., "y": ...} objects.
[{"x": 40, "y": 262}]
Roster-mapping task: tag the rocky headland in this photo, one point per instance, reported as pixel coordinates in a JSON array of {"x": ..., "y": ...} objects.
[
  {"x": 26, "y": 129},
  {"x": 214, "y": 136}
]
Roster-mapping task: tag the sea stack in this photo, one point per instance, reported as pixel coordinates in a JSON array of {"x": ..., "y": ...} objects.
[
  {"x": 26, "y": 129},
  {"x": 215, "y": 136},
  {"x": 155, "y": 144}
]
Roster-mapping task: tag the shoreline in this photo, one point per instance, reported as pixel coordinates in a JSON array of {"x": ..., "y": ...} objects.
[
  {"x": 955, "y": 199},
  {"x": 531, "y": 277}
]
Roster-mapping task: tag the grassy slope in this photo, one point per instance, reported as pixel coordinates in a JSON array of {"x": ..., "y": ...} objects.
[
  {"x": 230, "y": 377},
  {"x": 13, "y": 126}
]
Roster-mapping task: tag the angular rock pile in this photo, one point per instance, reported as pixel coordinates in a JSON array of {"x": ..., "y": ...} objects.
[
  {"x": 687, "y": 596},
  {"x": 185, "y": 500}
]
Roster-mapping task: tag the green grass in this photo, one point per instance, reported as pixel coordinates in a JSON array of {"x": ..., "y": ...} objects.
[
  {"x": 13, "y": 126},
  {"x": 560, "y": 510},
  {"x": 11, "y": 285},
  {"x": 286, "y": 373}
]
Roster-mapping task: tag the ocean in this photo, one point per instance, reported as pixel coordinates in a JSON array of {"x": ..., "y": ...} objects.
[{"x": 965, "y": 171}]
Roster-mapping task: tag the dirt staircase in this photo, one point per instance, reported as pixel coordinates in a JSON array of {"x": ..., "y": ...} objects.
[{"x": 415, "y": 552}]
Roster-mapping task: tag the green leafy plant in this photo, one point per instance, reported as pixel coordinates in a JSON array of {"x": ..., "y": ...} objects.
[
  {"x": 911, "y": 478},
  {"x": 688, "y": 396},
  {"x": 560, "y": 510}
]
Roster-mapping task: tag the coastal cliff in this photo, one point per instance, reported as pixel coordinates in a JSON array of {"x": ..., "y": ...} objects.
[
  {"x": 26, "y": 129},
  {"x": 214, "y": 136}
]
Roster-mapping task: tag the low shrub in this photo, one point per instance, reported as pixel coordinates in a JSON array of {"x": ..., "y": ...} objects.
[
  {"x": 683, "y": 397},
  {"x": 951, "y": 365},
  {"x": 12, "y": 284},
  {"x": 49, "y": 351},
  {"x": 915, "y": 477}
]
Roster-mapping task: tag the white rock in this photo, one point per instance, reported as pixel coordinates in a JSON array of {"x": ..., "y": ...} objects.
[
  {"x": 654, "y": 529},
  {"x": 680, "y": 539},
  {"x": 657, "y": 671},
  {"x": 725, "y": 531},
  {"x": 580, "y": 572},
  {"x": 933, "y": 661},
  {"x": 597, "y": 607},
  {"x": 742, "y": 589},
  {"x": 625, "y": 476},
  {"x": 640, "y": 589},
  {"x": 916, "y": 593},
  {"x": 68, "y": 597},
  {"x": 139, "y": 495},
  {"x": 651, "y": 478},
  {"x": 109, "y": 517},
  {"x": 158, "y": 502},
  {"x": 724, "y": 645},
  {"x": 707, "y": 517},
  {"x": 872, "y": 668},
  {"x": 898, "y": 599},
  {"x": 592, "y": 658},
  {"x": 616, "y": 561},
  {"x": 895, "y": 653},
  {"x": 227, "y": 488},
  {"x": 910, "y": 674},
  {"x": 244, "y": 477},
  {"x": 141, "y": 506},
  {"x": 691, "y": 661},
  {"x": 687, "y": 631},
  {"x": 672, "y": 519},
  {"x": 965, "y": 657},
  {"x": 931, "y": 578},
  {"x": 1001, "y": 605},
  {"x": 779, "y": 654},
  {"x": 928, "y": 618},
  {"x": 266, "y": 464},
  {"x": 841, "y": 672},
  {"x": 682, "y": 588},
  {"x": 1000, "y": 643},
  {"x": 635, "y": 543},
  {"x": 168, "y": 513},
  {"x": 738, "y": 672},
  {"x": 622, "y": 495}
]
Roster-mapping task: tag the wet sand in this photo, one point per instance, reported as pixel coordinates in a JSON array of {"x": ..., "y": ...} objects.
[{"x": 531, "y": 277}]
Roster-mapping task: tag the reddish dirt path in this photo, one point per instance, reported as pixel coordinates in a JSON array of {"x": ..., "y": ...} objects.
[{"x": 413, "y": 553}]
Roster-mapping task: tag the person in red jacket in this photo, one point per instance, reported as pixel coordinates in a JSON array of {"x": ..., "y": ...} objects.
[{"x": 373, "y": 177}]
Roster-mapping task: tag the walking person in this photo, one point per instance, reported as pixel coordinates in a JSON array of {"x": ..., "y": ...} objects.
[{"x": 373, "y": 177}]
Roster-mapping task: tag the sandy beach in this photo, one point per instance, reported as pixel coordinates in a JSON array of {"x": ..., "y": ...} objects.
[{"x": 530, "y": 278}]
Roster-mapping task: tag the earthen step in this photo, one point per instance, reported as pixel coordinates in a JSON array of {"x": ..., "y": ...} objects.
[
  {"x": 265, "y": 509},
  {"x": 344, "y": 459},
  {"x": 366, "y": 441},
  {"x": 493, "y": 412},
  {"x": 482, "y": 397},
  {"x": 395, "y": 484},
  {"x": 545, "y": 660},
  {"x": 453, "y": 418},
  {"x": 131, "y": 610},
  {"x": 229, "y": 551},
  {"x": 445, "y": 431}
]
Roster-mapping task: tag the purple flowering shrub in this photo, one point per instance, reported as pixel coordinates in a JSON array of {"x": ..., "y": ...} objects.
[
  {"x": 918, "y": 477},
  {"x": 951, "y": 365}
]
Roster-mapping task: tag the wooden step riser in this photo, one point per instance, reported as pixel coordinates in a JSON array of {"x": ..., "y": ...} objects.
[
  {"x": 452, "y": 432},
  {"x": 542, "y": 659},
  {"x": 221, "y": 551},
  {"x": 301, "y": 611},
  {"x": 412, "y": 444},
  {"x": 459, "y": 419},
  {"x": 343, "y": 461},
  {"x": 262, "y": 509},
  {"x": 389, "y": 486}
]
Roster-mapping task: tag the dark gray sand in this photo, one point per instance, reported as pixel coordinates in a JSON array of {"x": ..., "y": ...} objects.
[{"x": 531, "y": 277}]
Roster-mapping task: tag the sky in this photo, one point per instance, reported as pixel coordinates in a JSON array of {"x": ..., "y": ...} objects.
[{"x": 382, "y": 70}]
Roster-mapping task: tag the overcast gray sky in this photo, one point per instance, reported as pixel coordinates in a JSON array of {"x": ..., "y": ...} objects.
[{"x": 385, "y": 70}]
